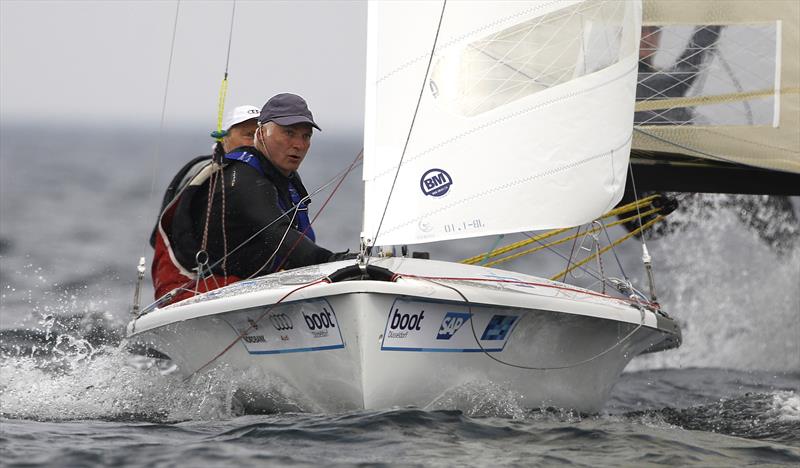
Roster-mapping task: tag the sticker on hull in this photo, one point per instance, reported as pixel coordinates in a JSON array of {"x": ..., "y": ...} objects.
[
  {"x": 288, "y": 328},
  {"x": 441, "y": 327}
]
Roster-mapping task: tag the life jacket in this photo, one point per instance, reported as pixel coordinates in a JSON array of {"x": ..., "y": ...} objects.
[{"x": 297, "y": 192}]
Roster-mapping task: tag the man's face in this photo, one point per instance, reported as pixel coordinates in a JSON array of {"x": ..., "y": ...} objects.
[
  {"x": 648, "y": 45},
  {"x": 240, "y": 135},
  {"x": 285, "y": 146}
]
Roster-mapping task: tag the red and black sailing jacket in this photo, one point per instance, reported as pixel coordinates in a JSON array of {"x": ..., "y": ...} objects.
[{"x": 254, "y": 217}]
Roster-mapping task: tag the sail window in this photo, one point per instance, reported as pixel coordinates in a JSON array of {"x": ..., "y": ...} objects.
[
  {"x": 710, "y": 75},
  {"x": 531, "y": 56}
]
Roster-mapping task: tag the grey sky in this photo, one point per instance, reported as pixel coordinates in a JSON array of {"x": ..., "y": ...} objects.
[{"x": 105, "y": 62}]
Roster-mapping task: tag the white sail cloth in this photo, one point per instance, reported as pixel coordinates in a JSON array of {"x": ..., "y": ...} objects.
[{"x": 523, "y": 123}]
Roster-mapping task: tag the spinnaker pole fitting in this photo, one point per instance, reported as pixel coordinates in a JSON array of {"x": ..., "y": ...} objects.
[
  {"x": 363, "y": 252},
  {"x": 138, "y": 290},
  {"x": 648, "y": 266}
]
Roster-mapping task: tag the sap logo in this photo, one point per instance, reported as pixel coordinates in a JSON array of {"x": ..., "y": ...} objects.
[
  {"x": 406, "y": 321},
  {"x": 435, "y": 183},
  {"x": 498, "y": 327},
  {"x": 450, "y": 325},
  {"x": 319, "y": 321},
  {"x": 253, "y": 111}
]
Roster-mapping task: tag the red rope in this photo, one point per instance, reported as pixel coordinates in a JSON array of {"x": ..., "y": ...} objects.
[
  {"x": 324, "y": 204},
  {"x": 254, "y": 325},
  {"x": 530, "y": 283},
  {"x": 349, "y": 169}
]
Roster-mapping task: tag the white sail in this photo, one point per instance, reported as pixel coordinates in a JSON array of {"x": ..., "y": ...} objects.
[{"x": 524, "y": 116}]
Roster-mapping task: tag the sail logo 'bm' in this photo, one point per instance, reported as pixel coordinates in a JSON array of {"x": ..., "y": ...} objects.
[{"x": 435, "y": 182}]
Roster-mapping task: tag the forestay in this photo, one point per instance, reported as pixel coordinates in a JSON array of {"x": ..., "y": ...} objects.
[{"x": 523, "y": 122}]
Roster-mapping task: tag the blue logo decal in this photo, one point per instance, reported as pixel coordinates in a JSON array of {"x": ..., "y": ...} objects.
[
  {"x": 498, "y": 327},
  {"x": 450, "y": 325},
  {"x": 435, "y": 182},
  {"x": 243, "y": 156}
]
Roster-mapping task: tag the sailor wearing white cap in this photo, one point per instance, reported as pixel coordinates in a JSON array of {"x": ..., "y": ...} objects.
[{"x": 239, "y": 127}]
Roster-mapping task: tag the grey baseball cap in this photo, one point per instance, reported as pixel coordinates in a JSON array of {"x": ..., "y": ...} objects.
[{"x": 286, "y": 109}]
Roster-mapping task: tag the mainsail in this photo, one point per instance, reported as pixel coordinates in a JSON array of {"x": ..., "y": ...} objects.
[
  {"x": 719, "y": 97},
  {"x": 493, "y": 117}
]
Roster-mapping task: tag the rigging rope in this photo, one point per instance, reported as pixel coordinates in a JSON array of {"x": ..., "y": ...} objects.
[
  {"x": 572, "y": 251},
  {"x": 350, "y": 168},
  {"x": 253, "y": 325},
  {"x": 223, "y": 87},
  {"x": 591, "y": 272},
  {"x": 564, "y": 239},
  {"x": 494, "y": 246},
  {"x": 295, "y": 210},
  {"x": 612, "y": 245},
  {"x": 540, "y": 367},
  {"x": 497, "y": 252},
  {"x": 340, "y": 177},
  {"x": 437, "y": 280},
  {"x": 217, "y": 174},
  {"x": 693, "y": 101},
  {"x": 157, "y": 154},
  {"x": 410, "y": 129}
]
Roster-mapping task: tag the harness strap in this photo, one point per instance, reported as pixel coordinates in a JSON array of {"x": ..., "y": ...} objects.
[{"x": 248, "y": 158}]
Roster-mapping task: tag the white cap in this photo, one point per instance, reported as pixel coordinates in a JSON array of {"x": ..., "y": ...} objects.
[{"x": 240, "y": 114}]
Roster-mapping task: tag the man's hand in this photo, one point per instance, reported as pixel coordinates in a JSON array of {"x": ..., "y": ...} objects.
[{"x": 346, "y": 255}]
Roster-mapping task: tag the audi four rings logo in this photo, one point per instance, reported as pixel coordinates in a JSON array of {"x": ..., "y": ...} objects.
[{"x": 281, "y": 322}]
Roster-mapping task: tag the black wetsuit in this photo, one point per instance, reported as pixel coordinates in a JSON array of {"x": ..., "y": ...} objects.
[
  {"x": 252, "y": 200},
  {"x": 181, "y": 178},
  {"x": 675, "y": 82}
]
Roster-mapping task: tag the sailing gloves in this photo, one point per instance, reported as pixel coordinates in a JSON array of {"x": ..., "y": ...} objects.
[{"x": 346, "y": 255}]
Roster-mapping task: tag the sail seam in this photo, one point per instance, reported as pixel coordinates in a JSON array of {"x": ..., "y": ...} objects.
[
  {"x": 503, "y": 119},
  {"x": 508, "y": 185},
  {"x": 464, "y": 36},
  {"x": 714, "y": 156},
  {"x": 793, "y": 151}
]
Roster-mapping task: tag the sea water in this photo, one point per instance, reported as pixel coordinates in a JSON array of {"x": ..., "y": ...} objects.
[{"x": 75, "y": 213}]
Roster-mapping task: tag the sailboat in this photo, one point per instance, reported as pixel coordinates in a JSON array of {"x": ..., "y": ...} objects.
[{"x": 487, "y": 118}]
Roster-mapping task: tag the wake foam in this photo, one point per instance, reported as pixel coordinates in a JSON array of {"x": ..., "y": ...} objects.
[
  {"x": 481, "y": 399},
  {"x": 107, "y": 384},
  {"x": 736, "y": 296},
  {"x": 786, "y": 406}
]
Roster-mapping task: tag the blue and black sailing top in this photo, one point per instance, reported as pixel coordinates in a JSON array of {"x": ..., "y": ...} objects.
[{"x": 302, "y": 221}]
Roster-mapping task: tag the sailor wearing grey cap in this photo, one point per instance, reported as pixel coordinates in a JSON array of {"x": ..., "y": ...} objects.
[
  {"x": 284, "y": 131},
  {"x": 254, "y": 222}
]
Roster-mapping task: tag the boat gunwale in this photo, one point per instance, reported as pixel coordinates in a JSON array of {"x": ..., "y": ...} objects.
[{"x": 595, "y": 306}]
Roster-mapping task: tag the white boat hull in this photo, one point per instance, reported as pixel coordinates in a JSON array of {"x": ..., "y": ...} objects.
[{"x": 415, "y": 341}]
